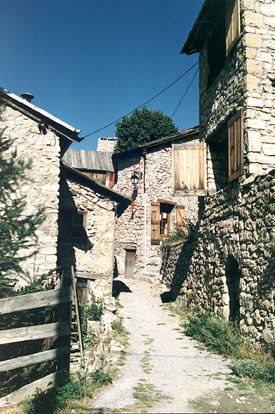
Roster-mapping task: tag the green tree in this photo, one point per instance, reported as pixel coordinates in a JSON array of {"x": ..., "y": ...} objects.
[
  {"x": 16, "y": 230},
  {"x": 143, "y": 126}
]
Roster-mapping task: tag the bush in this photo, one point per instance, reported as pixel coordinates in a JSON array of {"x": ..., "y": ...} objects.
[
  {"x": 54, "y": 399},
  {"x": 216, "y": 333},
  {"x": 100, "y": 377},
  {"x": 92, "y": 312},
  {"x": 252, "y": 368}
]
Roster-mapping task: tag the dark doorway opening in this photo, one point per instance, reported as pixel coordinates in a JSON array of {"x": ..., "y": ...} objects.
[{"x": 233, "y": 274}]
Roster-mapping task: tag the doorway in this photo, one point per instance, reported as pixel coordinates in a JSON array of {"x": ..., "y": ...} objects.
[
  {"x": 233, "y": 275},
  {"x": 130, "y": 261}
]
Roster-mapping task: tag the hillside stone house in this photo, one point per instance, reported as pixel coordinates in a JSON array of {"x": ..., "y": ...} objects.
[
  {"x": 87, "y": 218},
  {"x": 165, "y": 180},
  {"x": 41, "y": 138},
  {"x": 232, "y": 268},
  {"x": 80, "y": 212}
]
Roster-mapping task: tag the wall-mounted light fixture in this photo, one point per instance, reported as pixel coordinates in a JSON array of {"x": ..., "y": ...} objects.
[{"x": 135, "y": 177}]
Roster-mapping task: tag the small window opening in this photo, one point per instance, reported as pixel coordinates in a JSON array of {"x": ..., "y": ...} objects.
[
  {"x": 216, "y": 50},
  {"x": 233, "y": 275},
  {"x": 218, "y": 160}
]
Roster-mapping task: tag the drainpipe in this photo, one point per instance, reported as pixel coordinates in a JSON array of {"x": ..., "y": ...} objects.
[{"x": 145, "y": 210}]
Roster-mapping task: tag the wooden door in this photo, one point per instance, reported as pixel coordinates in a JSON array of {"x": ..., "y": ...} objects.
[{"x": 130, "y": 260}]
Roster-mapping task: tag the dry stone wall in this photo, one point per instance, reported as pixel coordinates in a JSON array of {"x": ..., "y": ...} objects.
[
  {"x": 134, "y": 225},
  {"x": 236, "y": 233},
  {"x": 40, "y": 187}
]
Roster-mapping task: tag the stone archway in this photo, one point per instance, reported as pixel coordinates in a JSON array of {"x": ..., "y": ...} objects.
[{"x": 232, "y": 277}]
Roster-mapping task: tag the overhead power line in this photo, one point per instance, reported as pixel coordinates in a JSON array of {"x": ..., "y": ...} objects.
[
  {"x": 185, "y": 92},
  {"x": 144, "y": 103}
]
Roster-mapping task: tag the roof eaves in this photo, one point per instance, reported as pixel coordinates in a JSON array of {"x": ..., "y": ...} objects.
[
  {"x": 97, "y": 186},
  {"x": 39, "y": 114},
  {"x": 139, "y": 148},
  {"x": 197, "y": 34}
]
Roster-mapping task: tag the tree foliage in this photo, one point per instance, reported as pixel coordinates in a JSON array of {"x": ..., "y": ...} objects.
[
  {"x": 141, "y": 127},
  {"x": 17, "y": 231}
]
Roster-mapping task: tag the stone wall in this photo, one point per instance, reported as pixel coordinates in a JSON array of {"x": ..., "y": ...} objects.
[
  {"x": 259, "y": 39},
  {"x": 134, "y": 225},
  {"x": 40, "y": 187},
  {"x": 93, "y": 251},
  {"x": 236, "y": 234}
]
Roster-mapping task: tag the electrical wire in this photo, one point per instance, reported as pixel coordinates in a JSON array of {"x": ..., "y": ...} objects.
[
  {"x": 144, "y": 103},
  {"x": 185, "y": 92}
]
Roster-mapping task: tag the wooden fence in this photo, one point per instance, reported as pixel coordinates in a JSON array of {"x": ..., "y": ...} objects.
[{"x": 60, "y": 330}]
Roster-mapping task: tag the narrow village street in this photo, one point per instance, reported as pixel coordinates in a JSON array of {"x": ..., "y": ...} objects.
[{"x": 164, "y": 370}]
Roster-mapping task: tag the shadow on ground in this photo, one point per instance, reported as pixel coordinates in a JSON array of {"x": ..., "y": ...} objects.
[{"x": 118, "y": 287}]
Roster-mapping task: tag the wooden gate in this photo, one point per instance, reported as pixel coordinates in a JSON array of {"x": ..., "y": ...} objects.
[
  {"x": 55, "y": 336},
  {"x": 130, "y": 261}
]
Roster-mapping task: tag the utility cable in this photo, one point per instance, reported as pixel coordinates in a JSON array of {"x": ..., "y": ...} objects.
[
  {"x": 145, "y": 103},
  {"x": 185, "y": 92}
]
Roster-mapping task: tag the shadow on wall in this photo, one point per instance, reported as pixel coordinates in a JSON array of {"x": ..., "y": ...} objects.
[
  {"x": 70, "y": 233},
  {"x": 176, "y": 260}
]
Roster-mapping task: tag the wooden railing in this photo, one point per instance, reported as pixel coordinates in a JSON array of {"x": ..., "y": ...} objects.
[{"x": 59, "y": 299}]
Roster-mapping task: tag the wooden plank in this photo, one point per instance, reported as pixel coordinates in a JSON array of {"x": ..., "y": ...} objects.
[
  {"x": 35, "y": 300},
  {"x": 92, "y": 276},
  {"x": 29, "y": 333},
  {"x": 27, "y": 360},
  {"x": 16, "y": 397},
  {"x": 77, "y": 317}
]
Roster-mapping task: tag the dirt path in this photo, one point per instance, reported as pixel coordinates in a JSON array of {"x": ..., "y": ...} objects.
[{"x": 164, "y": 371}]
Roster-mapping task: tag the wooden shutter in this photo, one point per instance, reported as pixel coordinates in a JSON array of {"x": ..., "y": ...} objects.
[
  {"x": 155, "y": 223},
  {"x": 235, "y": 146},
  {"x": 232, "y": 23},
  {"x": 180, "y": 215},
  {"x": 189, "y": 168}
]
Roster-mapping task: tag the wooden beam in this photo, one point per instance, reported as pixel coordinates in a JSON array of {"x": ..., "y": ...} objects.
[
  {"x": 92, "y": 276},
  {"x": 35, "y": 300},
  {"x": 25, "y": 361},
  {"x": 57, "y": 378},
  {"x": 29, "y": 333}
]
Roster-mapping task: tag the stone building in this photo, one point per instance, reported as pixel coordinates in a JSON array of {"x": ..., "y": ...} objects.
[
  {"x": 165, "y": 179},
  {"x": 232, "y": 268},
  {"x": 87, "y": 218},
  {"x": 41, "y": 138}
]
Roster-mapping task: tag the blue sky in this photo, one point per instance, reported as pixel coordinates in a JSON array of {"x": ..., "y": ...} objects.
[{"x": 91, "y": 61}]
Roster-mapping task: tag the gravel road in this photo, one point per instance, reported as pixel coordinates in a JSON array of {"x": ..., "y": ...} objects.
[{"x": 164, "y": 370}]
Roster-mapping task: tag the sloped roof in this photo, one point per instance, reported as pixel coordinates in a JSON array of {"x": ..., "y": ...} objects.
[
  {"x": 211, "y": 12},
  {"x": 89, "y": 160},
  {"x": 161, "y": 142},
  {"x": 95, "y": 185},
  {"x": 40, "y": 115}
]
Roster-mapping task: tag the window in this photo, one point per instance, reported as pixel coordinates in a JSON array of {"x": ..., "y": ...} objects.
[
  {"x": 224, "y": 34},
  {"x": 73, "y": 224},
  {"x": 235, "y": 146},
  {"x": 232, "y": 23},
  {"x": 78, "y": 223},
  {"x": 162, "y": 215},
  {"x": 189, "y": 168}
]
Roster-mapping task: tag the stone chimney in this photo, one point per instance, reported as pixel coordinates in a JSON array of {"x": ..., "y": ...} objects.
[{"x": 106, "y": 144}]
